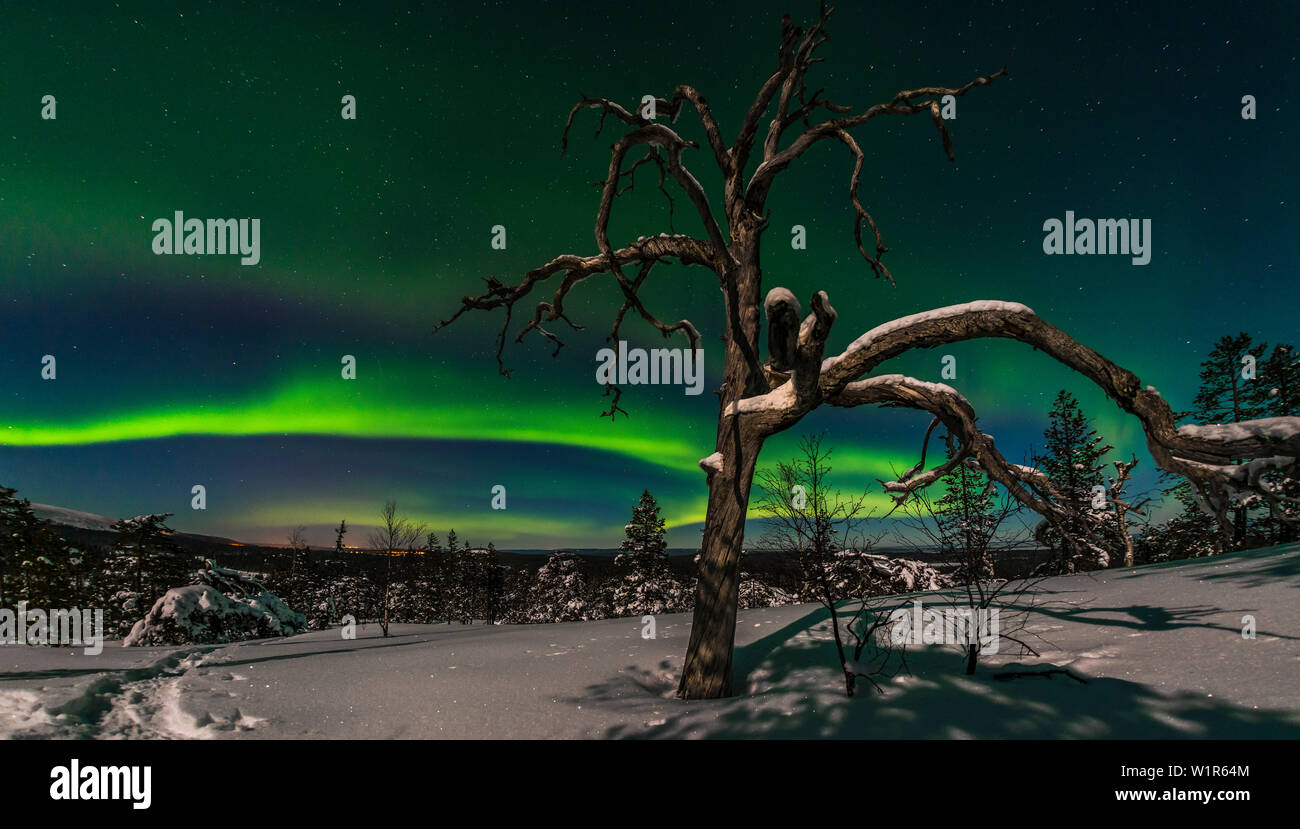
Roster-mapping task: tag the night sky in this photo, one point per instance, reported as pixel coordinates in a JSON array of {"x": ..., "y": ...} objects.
[{"x": 182, "y": 370}]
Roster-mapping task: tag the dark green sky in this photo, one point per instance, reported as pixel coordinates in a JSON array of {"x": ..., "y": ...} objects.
[{"x": 176, "y": 370}]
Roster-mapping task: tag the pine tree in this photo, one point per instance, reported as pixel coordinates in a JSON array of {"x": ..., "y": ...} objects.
[
  {"x": 1230, "y": 393},
  {"x": 295, "y": 588},
  {"x": 559, "y": 593},
  {"x": 143, "y": 565},
  {"x": 517, "y": 596},
  {"x": 330, "y": 599},
  {"x": 427, "y": 583},
  {"x": 454, "y": 580},
  {"x": 36, "y": 564},
  {"x": 1189, "y": 534},
  {"x": 966, "y": 521},
  {"x": 1277, "y": 394},
  {"x": 1071, "y": 460},
  {"x": 19, "y": 528},
  {"x": 644, "y": 535},
  {"x": 645, "y": 584},
  {"x": 432, "y": 554},
  {"x": 494, "y": 586},
  {"x": 9, "y": 541},
  {"x": 1227, "y": 393},
  {"x": 471, "y": 574}
]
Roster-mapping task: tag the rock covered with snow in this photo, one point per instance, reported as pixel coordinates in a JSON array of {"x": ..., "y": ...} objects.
[{"x": 224, "y": 606}]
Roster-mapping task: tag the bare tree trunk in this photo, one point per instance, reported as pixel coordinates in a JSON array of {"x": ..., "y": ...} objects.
[
  {"x": 1128, "y": 541},
  {"x": 850, "y": 678},
  {"x": 707, "y": 671}
]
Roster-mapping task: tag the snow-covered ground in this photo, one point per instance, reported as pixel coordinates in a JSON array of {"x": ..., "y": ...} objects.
[{"x": 1160, "y": 647}]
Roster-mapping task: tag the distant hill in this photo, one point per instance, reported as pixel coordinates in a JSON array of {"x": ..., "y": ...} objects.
[
  {"x": 71, "y": 518},
  {"x": 76, "y": 519},
  {"x": 86, "y": 529}
]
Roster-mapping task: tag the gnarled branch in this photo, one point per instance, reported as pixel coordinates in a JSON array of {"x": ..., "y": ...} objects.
[
  {"x": 576, "y": 269},
  {"x": 1223, "y": 461},
  {"x": 907, "y": 102}
]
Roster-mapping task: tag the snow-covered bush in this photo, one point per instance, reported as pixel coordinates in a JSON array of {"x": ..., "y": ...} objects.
[
  {"x": 1191, "y": 534},
  {"x": 224, "y": 606},
  {"x": 637, "y": 593},
  {"x": 121, "y": 607},
  {"x": 559, "y": 593},
  {"x": 755, "y": 593},
  {"x": 855, "y": 573}
]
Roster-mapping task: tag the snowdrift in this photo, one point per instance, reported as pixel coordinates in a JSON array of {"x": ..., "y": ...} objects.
[{"x": 223, "y": 607}]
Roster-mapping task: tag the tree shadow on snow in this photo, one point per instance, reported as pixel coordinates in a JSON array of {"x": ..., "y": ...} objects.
[
  {"x": 387, "y": 643},
  {"x": 1279, "y": 564},
  {"x": 789, "y": 689},
  {"x": 1269, "y": 568},
  {"x": 1150, "y": 618},
  {"x": 56, "y": 673}
]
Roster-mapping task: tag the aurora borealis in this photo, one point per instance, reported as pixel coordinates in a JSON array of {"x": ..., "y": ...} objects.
[{"x": 176, "y": 370}]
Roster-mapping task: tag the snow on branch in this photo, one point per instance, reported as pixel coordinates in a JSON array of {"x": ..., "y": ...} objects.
[
  {"x": 968, "y": 320},
  {"x": 1224, "y": 461}
]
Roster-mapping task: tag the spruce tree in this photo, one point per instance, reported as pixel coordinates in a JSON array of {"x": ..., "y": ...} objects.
[
  {"x": 143, "y": 565},
  {"x": 966, "y": 523},
  {"x": 494, "y": 585},
  {"x": 36, "y": 564},
  {"x": 645, "y": 584},
  {"x": 643, "y": 540},
  {"x": 1231, "y": 392},
  {"x": 1277, "y": 394},
  {"x": 297, "y": 587},
  {"x": 1228, "y": 394},
  {"x": 559, "y": 593},
  {"x": 454, "y": 579},
  {"x": 1071, "y": 460},
  {"x": 17, "y": 533}
]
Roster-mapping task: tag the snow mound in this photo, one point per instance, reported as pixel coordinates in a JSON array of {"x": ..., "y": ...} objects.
[
  {"x": 905, "y": 575},
  {"x": 224, "y": 606}
]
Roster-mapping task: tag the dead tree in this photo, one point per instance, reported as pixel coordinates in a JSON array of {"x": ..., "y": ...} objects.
[
  {"x": 757, "y": 400},
  {"x": 394, "y": 536},
  {"x": 1117, "y": 497}
]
